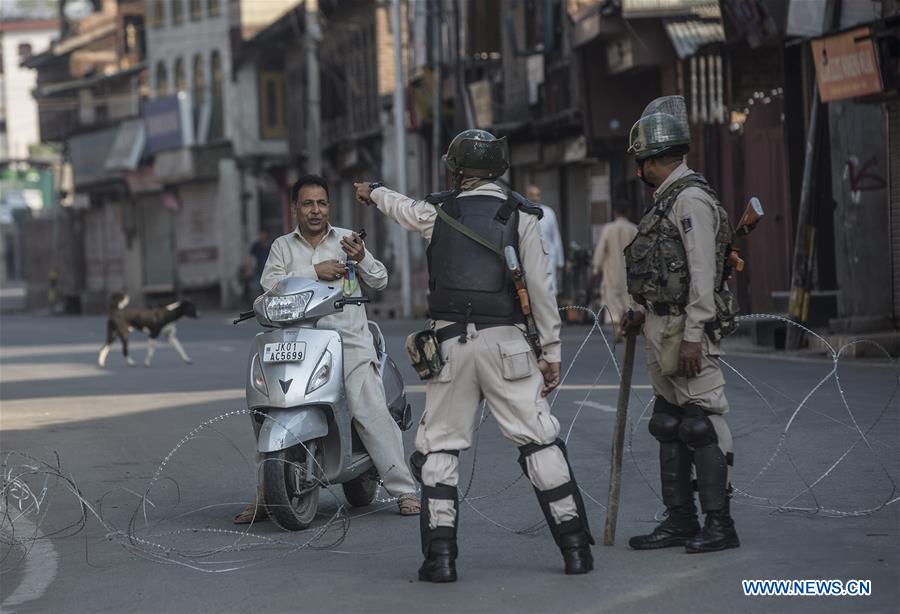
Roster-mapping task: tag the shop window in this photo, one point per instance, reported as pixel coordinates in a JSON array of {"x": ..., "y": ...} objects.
[
  {"x": 543, "y": 26},
  {"x": 196, "y": 10},
  {"x": 271, "y": 105},
  {"x": 162, "y": 80},
  {"x": 217, "y": 127},
  {"x": 484, "y": 33},
  {"x": 24, "y": 51},
  {"x": 199, "y": 81},
  {"x": 134, "y": 36},
  {"x": 213, "y": 8},
  {"x": 157, "y": 14},
  {"x": 177, "y": 7},
  {"x": 180, "y": 78}
]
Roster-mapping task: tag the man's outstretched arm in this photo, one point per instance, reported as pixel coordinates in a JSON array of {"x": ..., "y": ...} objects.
[{"x": 415, "y": 215}]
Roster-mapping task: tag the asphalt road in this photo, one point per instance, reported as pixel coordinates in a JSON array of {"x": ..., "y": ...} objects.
[{"x": 111, "y": 429}]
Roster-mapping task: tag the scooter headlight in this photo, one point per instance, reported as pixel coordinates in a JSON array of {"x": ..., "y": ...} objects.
[
  {"x": 322, "y": 373},
  {"x": 287, "y": 308},
  {"x": 257, "y": 378}
]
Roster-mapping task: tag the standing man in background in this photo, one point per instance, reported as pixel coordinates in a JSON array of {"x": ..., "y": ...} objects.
[
  {"x": 609, "y": 261},
  {"x": 258, "y": 254},
  {"x": 553, "y": 245}
]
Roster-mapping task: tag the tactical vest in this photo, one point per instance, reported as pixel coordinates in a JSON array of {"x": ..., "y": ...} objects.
[
  {"x": 656, "y": 262},
  {"x": 467, "y": 282}
]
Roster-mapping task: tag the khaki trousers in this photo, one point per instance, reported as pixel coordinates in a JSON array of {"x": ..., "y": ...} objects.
[
  {"x": 496, "y": 365},
  {"x": 377, "y": 430},
  {"x": 706, "y": 389}
]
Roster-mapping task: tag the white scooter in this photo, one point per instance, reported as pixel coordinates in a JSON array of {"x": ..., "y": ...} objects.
[{"x": 295, "y": 383}]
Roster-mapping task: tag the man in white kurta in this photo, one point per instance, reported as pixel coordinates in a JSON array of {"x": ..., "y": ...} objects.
[
  {"x": 317, "y": 250},
  {"x": 553, "y": 243},
  {"x": 609, "y": 260}
]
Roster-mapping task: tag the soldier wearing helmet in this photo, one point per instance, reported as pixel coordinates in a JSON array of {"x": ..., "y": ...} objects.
[
  {"x": 675, "y": 274},
  {"x": 479, "y": 326}
]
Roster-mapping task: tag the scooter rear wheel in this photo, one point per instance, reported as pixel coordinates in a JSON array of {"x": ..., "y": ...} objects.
[
  {"x": 360, "y": 491},
  {"x": 291, "y": 479}
]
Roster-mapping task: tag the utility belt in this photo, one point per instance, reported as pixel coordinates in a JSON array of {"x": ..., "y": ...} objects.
[
  {"x": 424, "y": 347},
  {"x": 665, "y": 309}
]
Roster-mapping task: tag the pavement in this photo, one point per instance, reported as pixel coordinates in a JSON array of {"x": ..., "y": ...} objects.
[{"x": 110, "y": 430}]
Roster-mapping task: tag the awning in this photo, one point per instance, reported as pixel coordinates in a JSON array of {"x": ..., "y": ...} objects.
[
  {"x": 128, "y": 147},
  {"x": 635, "y": 9},
  {"x": 88, "y": 154},
  {"x": 689, "y": 36}
]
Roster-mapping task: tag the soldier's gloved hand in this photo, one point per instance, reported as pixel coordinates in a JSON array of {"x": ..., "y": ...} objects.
[
  {"x": 689, "y": 355},
  {"x": 330, "y": 270},
  {"x": 550, "y": 371},
  {"x": 631, "y": 321}
]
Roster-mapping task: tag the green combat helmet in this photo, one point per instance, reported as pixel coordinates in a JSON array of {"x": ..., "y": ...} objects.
[
  {"x": 477, "y": 153},
  {"x": 663, "y": 126}
]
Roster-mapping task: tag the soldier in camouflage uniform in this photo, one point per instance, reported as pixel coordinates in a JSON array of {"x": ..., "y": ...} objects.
[{"x": 675, "y": 273}]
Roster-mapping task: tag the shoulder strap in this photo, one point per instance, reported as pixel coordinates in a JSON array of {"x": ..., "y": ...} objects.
[
  {"x": 526, "y": 205},
  {"x": 438, "y": 197}
]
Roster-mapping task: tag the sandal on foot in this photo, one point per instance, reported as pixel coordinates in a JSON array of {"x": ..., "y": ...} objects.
[
  {"x": 409, "y": 505},
  {"x": 252, "y": 513}
]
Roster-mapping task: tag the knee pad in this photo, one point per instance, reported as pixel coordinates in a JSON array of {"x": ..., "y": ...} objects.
[
  {"x": 417, "y": 461},
  {"x": 696, "y": 429},
  {"x": 664, "y": 421},
  {"x": 546, "y": 497}
]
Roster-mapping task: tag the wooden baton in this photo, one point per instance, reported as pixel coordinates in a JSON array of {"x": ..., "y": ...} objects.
[{"x": 618, "y": 444}]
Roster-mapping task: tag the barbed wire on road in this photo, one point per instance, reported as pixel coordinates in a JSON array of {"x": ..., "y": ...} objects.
[{"x": 29, "y": 486}]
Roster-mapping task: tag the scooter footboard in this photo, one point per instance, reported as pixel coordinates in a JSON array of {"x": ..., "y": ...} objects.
[{"x": 284, "y": 428}]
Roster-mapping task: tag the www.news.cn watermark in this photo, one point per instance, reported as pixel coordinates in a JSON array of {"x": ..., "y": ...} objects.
[{"x": 806, "y": 588}]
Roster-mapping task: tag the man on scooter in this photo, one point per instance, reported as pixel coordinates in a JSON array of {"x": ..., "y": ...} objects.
[{"x": 318, "y": 250}]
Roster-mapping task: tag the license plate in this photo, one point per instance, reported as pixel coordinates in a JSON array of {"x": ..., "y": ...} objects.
[{"x": 291, "y": 351}]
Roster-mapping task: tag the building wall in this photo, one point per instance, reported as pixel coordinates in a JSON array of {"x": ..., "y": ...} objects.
[
  {"x": 894, "y": 179},
  {"x": 255, "y": 15},
  {"x": 242, "y": 113},
  {"x": 859, "y": 169},
  {"x": 19, "y": 107},
  {"x": 232, "y": 244},
  {"x": 169, "y": 42}
]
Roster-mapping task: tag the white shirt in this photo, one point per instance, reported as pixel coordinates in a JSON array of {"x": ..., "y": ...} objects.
[
  {"x": 293, "y": 256},
  {"x": 553, "y": 240}
]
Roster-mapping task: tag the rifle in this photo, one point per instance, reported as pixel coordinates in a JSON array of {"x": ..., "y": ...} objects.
[
  {"x": 752, "y": 214},
  {"x": 531, "y": 332}
]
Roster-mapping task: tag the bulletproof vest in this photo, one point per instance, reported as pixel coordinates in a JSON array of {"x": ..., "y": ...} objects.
[
  {"x": 656, "y": 262},
  {"x": 467, "y": 281}
]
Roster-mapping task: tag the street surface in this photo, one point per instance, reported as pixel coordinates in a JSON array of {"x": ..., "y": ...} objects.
[{"x": 112, "y": 428}]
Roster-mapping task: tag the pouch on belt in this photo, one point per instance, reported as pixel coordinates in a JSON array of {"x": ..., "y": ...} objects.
[
  {"x": 673, "y": 333},
  {"x": 425, "y": 353}
]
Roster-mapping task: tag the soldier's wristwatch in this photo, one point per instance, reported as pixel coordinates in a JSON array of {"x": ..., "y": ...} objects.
[{"x": 375, "y": 185}]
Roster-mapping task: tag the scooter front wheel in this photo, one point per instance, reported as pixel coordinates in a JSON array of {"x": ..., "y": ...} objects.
[
  {"x": 360, "y": 491},
  {"x": 291, "y": 479}
]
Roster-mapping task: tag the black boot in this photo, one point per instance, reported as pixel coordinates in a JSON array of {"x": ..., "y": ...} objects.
[
  {"x": 679, "y": 526},
  {"x": 717, "y": 534},
  {"x": 576, "y": 551},
  {"x": 440, "y": 564}
]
